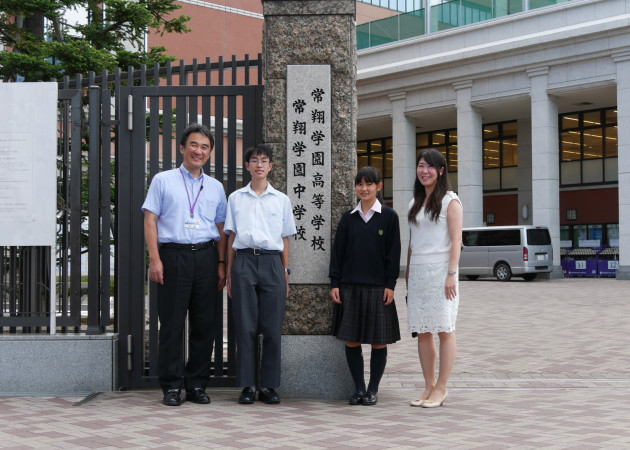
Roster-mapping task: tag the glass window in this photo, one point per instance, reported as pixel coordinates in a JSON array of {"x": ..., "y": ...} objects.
[
  {"x": 570, "y": 121},
  {"x": 510, "y": 152},
  {"x": 611, "y": 142},
  {"x": 595, "y": 233},
  {"x": 491, "y": 154},
  {"x": 592, "y": 119},
  {"x": 592, "y": 171},
  {"x": 389, "y": 164},
  {"x": 378, "y": 153},
  {"x": 376, "y": 160},
  {"x": 446, "y": 142},
  {"x": 611, "y": 170},
  {"x": 439, "y": 138},
  {"x": 588, "y": 147},
  {"x": 593, "y": 144},
  {"x": 613, "y": 234},
  {"x": 362, "y": 161},
  {"x": 570, "y": 146},
  {"x": 538, "y": 236},
  {"x": 491, "y": 179},
  {"x": 510, "y": 128},
  {"x": 509, "y": 178},
  {"x": 500, "y": 151},
  {"x": 490, "y": 131},
  {"x": 570, "y": 173},
  {"x": 452, "y": 159}
]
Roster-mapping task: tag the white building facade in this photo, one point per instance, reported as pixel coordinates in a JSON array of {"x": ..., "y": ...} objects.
[{"x": 548, "y": 82}]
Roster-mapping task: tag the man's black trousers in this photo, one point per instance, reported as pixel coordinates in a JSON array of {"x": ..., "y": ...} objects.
[{"x": 190, "y": 285}]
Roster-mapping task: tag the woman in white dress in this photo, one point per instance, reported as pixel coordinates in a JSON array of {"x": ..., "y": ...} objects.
[{"x": 435, "y": 222}]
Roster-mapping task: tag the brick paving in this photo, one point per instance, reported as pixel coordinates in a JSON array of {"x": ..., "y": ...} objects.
[{"x": 543, "y": 364}]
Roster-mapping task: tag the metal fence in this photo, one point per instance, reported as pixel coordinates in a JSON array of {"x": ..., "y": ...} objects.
[{"x": 88, "y": 192}]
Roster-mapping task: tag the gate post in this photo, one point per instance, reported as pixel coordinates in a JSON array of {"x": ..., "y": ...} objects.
[{"x": 309, "y": 46}]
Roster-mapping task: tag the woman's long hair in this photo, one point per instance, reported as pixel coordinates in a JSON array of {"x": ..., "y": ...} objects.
[{"x": 434, "y": 204}]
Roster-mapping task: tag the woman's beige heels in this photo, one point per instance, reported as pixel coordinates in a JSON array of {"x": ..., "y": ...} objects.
[
  {"x": 418, "y": 402},
  {"x": 429, "y": 404}
]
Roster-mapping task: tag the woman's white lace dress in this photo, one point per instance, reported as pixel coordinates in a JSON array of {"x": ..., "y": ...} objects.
[{"x": 428, "y": 310}]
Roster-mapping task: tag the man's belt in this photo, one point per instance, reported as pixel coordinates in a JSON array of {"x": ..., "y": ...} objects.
[
  {"x": 191, "y": 247},
  {"x": 258, "y": 251}
]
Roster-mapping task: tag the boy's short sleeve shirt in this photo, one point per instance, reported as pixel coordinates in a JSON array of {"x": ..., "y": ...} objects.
[{"x": 259, "y": 222}]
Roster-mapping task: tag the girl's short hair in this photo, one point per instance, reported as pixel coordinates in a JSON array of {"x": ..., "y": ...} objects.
[{"x": 369, "y": 174}]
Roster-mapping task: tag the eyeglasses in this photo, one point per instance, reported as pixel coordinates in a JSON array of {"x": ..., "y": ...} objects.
[{"x": 259, "y": 162}]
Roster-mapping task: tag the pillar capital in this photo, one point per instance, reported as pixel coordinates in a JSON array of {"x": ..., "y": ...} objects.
[
  {"x": 620, "y": 55},
  {"x": 397, "y": 96},
  {"x": 466, "y": 84},
  {"x": 539, "y": 71}
]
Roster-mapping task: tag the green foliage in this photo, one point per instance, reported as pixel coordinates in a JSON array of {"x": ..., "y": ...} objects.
[{"x": 110, "y": 36}]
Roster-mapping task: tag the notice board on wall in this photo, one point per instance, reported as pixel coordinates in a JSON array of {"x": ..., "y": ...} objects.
[{"x": 28, "y": 164}]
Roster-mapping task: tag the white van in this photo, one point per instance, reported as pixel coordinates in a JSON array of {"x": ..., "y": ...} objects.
[{"x": 505, "y": 251}]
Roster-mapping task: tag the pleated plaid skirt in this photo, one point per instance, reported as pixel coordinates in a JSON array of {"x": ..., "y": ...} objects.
[{"x": 363, "y": 317}]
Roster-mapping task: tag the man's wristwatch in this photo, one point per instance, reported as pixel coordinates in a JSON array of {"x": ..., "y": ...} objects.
[{"x": 287, "y": 270}]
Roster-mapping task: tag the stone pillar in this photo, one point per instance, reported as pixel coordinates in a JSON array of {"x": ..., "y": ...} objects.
[
  {"x": 404, "y": 165},
  {"x": 302, "y": 33},
  {"x": 622, "y": 62},
  {"x": 545, "y": 163},
  {"x": 524, "y": 170},
  {"x": 470, "y": 155}
]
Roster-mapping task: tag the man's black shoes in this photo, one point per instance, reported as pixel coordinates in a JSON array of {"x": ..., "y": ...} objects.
[
  {"x": 247, "y": 397},
  {"x": 172, "y": 397},
  {"x": 197, "y": 395},
  {"x": 269, "y": 396}
]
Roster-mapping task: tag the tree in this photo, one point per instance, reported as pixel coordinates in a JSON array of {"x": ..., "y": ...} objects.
[{"x": 110, "y": 36}]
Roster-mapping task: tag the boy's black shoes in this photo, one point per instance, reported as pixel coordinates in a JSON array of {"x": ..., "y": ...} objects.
[
  {"x": 247, "y": 397},
  {"x": 269, "y": 396}
]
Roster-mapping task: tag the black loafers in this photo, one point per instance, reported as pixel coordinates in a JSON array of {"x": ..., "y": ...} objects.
[
  {"x": 269, "y": 396},
  {"x": 356, "y": 398},
  {"x": 172, "y": 397},
  {"x": 247, "y": 397},
  {"x": 370, "y": 398},
  {"x": 197, "y": 395}
]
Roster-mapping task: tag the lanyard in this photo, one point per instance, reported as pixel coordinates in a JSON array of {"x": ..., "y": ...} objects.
[{"x": 192, "y": 207}]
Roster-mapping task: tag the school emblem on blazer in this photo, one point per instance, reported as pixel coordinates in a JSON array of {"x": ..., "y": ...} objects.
[{"x": 380, "y": 232}]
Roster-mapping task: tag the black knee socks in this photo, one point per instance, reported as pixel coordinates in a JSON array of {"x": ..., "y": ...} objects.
[
  {"x": 378, "y": 361},
  {"x": 354, "y": 355}
]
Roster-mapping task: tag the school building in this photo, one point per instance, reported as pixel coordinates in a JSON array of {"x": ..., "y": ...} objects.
[{"x": 528, "y": 99}]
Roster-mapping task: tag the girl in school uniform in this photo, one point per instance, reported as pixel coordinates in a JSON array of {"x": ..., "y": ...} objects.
[{"x": 364, "y": 268}]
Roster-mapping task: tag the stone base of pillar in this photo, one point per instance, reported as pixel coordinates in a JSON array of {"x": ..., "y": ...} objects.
[
  {"x": 314, "y": 367},
  {"x": 556, "y": 274},
  {"x": 623, "y": 273}
]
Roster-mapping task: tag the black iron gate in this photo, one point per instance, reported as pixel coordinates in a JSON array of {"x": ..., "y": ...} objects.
[{"x": 151, "y": 120}]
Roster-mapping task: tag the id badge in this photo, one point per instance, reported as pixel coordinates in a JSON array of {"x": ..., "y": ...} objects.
[{"x": 191, "y": 223}]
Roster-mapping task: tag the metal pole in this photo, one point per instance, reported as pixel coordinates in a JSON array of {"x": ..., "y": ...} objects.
[{"x": 53, "y": 286}]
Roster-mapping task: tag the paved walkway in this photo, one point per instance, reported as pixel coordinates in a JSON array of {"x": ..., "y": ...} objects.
[{"x": 544, "y": 364}]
